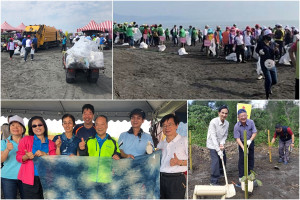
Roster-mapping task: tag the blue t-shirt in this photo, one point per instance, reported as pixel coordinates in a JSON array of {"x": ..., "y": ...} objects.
[
  {"x": 24, "y": 41},
  {"x": 11, "y": 166},
  {"x": 81, "y": 132},
  {"x": 134, "y": 145},
  {"x": 102, "y": 39},
  {"x": 38, "y": 145},
  {"x": 34, "y": 41},
  {"x": 68, "y": 146},
  {"x": 64, "y": 41}
]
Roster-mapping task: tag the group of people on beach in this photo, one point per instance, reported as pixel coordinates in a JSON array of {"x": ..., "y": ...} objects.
[
  {"x": 266, "y": 44},
  {"x": 20, "y": 173}
]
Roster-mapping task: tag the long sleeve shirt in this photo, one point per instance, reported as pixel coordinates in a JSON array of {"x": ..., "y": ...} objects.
[{"x": 217, "y": 133}]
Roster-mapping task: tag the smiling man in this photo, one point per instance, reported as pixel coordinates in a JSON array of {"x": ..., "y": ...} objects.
[
  {"x": 174, "y": 160},
  {"x": 133, "y": 142},
  {"x": 216, "y": 137},
  {"x": 87, "y": 129},
  {"x": 239, "y": 128}
]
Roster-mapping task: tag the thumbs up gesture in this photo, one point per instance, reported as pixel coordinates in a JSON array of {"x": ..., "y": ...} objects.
[
  {"x": 29, "y": 154},
  {"x": 82, "y": 144},
  {"x": 58, "y": 142},
  {"x": 9, "y": 145},
  {"x": 174, "y": 161}
]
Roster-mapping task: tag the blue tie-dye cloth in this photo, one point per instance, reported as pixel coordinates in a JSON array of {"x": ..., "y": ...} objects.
[{"x": 83, "y": 177}]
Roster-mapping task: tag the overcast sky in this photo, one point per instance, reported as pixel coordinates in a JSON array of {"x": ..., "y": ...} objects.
[
  {"x": 65, "y": 15},
  {"x": 204, "y": 12}
]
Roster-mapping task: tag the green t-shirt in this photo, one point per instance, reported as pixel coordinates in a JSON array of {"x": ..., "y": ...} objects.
[
  {"x": 167, "y": 32},
  {"x": 160, "y": 31},
  {"x": 182, "y": 33},
  {"x": 129, "y": 31},
  {"x": 194, "y": 33}
]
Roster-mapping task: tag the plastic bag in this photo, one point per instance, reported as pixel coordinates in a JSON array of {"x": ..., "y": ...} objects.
[
  {"x": 117, "y": 39},
  {"x": 96, "y": 59},
  {"x": 188, "y": 38},
  {"x": 32, "y": 51},
  {"x": 22, "y": 53},
  {"x": 143, "y": 45},
  {"x": 258, "y": 67},
  {"x": 285, "y": 59},
  {"x": 182, "y": 51},
  {"x": 17, "y": 51},
  {"x": 161, "y": 48},
  {"x": 232, "y": 57},
  {"x": 137, "y": 35},
  {"x": 212, "y": 47}
]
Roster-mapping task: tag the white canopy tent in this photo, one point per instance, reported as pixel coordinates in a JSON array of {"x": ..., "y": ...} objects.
[{"x": 114, "y": 110}]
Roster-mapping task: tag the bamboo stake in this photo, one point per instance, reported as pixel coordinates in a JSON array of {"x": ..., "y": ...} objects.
[
  {"x": 246, "y": 164},
  {"x": 270, "y": 151},
  {"x": 190, "y": 146}
]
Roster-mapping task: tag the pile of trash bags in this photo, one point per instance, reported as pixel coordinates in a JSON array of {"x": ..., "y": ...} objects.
[{"x": 84, "y": 54}]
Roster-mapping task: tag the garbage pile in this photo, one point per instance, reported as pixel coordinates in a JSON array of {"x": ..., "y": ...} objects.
[{"x": 85, "y": 54}]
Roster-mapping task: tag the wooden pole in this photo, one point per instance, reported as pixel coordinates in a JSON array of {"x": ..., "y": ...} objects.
[
  {"x": 246, "y": 164},
  {"x": 270, "y": 151},
  {"x": 190, "y": 147}
]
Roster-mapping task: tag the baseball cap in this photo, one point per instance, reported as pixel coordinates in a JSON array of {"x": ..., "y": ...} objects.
[
  {"x": 278, "y": 126},
  {"x": 139, "y": 112},
  {"x": 267, "y": 32}
]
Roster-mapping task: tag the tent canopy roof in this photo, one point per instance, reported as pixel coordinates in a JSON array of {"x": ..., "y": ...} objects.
[
  {"x": 114, "y": 110},
  {"x": 91, "y": 26},
  {"x": 7, "y": 27}
]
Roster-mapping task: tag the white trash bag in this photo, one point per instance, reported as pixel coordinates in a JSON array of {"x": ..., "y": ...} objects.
[
  {"x": 22, "y": 53},
  {"x": 137, "y": 34},
  {"x": 96, "y": 59},
  {"x": 125, "y": 44},
  {"x": 143, "y": 45},
  {"x": 182, "y": 51},
  {"x": 17, "y": 51},
  {"x": 116, "y": 39},
  {"x": 232, "y": 57},
  {"x": 258, "y": 67},
  {"x": 161, "y": 48},
  {"x": 285, "y": 59}
]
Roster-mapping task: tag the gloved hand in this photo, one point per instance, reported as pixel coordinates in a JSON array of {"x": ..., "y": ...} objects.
[
  {"x": 220, "y": 153},
  {"x": 261, "y": 52},
  {"x": 249, "y": 142}
]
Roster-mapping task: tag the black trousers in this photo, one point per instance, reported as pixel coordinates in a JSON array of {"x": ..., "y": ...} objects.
[
  {"x": 172, "y": 186},
  {"x": 216, "y": 167},
  {"x": 250, "y": 160},
  {"x": 34, "y": 191},
  {"x": 240, "y": 51},
  {"x": 11, "y": 53}
]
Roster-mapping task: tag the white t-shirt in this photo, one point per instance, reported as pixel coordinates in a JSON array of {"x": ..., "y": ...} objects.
[
  {"x": 239, "y": 40},
  {"x": 178, "y": 145},
  {"x": 248, "y": 39},
  {"x": 28, "y": 43}
]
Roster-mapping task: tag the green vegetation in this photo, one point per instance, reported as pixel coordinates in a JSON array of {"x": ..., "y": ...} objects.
[{"x": 284, "y": 112}]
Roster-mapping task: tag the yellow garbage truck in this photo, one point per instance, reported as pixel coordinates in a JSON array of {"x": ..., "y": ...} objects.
[{"x": 47, "y": 36}]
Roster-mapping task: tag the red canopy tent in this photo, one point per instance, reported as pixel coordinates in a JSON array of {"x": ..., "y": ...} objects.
[
  {"x": 92, "y": 26},
  {"x": 7, "y": 27},
  {"x": 21, "y": 27},
  {"x": 107, "y": 25}
]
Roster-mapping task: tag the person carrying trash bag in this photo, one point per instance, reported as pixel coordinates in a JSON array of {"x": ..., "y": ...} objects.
[
  {"x": 216, "y": 137},
  {"x": 239, "y": 128},
  {"x": 266, "y": 51},
  {"x": 28, "y": 47},
  {"x": 286, "y": 142}
]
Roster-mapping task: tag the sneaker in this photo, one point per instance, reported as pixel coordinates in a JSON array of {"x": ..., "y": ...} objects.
[
  {"x": 285, "y": 162},
  {"x": 280, "y": 160},
  {"x": 259, "y": 77}
]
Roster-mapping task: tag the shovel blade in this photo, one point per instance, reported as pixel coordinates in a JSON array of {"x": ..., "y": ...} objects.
[{"x": 230, "y": 191}]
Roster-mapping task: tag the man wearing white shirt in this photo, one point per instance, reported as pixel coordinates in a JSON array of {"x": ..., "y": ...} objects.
[
  {"x": 174, "y": 160},
  {"x": 216, "y": 137}
]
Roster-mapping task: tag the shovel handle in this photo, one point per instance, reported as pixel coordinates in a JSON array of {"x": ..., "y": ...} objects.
[{"x": 225, "y": 175}]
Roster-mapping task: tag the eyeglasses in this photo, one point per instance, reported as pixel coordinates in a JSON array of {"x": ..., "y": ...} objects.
[
  {"x": 168, "y": 125},
  {"x": 39, "y": 125}
]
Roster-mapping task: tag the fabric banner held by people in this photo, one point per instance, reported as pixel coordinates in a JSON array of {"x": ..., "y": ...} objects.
[{"x": 80, "y": 177}]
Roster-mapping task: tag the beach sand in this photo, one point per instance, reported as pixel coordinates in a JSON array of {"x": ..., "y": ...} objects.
[
  {"x": 44, "y": 78},
  {"x": 149, "y": 74}
]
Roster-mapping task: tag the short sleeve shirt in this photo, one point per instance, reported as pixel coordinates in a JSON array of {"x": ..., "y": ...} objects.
[
  {"x": 249, "y": 127},
  {"x": 178, "y": 146},
  {"x": 68, "y": 146},
  {"x": 11, "y": 166},
  {"x": 81, "y": 132},
  {"x": 134, "y": 145},
  {"x": 38, "y": 145}
]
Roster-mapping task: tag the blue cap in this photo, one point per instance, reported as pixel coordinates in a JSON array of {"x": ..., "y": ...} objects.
[{"x": 241, "y": 111}]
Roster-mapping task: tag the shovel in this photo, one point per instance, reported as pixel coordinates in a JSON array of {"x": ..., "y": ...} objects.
[{"x": 230, "y": 190}]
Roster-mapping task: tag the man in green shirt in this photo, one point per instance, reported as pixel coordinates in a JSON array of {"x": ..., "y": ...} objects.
[
  {"x": 194, "y": 36},
  {"x": 129, "y": 33},
  {"x": 167, "y": 34},
  {"x": 103, "y": 146}
]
